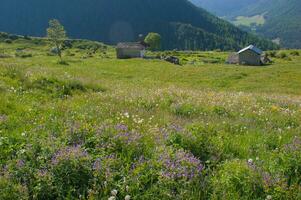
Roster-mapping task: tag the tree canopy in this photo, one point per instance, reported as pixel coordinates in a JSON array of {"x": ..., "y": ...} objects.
[
  {"x": 154, "y": 40},
  {"x": 57, "y": 34}
]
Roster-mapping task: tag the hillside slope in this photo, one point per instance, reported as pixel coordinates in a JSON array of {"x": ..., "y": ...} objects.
[
  {"x": 283, "y": 20},
  {"x": 282, "y": 17},
  {"x": 181, "y": 24},
  {"x": 223, "y": 7}
]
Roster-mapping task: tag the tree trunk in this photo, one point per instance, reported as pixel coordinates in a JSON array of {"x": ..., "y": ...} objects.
[{"x": 59, "y": 52}]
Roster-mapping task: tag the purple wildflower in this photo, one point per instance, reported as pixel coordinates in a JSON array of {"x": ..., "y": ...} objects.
[
  {"x": 181, "y": 165},
  {"x": 294, "y": 146},
  {"x": 97, "y": 164},
  {"x": 20, "y": 163},
  {"x": 69, "y": 153},
  {"x": 121, "y": 127},
  {"x": 42, "y": 172},
  {"x": 129, "y": 137}
]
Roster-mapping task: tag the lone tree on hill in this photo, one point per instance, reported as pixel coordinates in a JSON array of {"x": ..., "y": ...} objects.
[
  {"x": 57, "y": 34},
  {"x": 154, "y": 41}
]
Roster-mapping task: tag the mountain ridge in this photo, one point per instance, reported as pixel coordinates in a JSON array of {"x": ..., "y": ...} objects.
[
  {"x": 282, "y": 17},
  {"x": 116, "y": 20}
]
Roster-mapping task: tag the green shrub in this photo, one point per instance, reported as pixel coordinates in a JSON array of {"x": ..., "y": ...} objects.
[
  {"x": 199, "y": 141},
  {"x": 272, "y": 54},
  {"x": 8, "y": 41},
  {"x": 72, "y": 172},
  {"x": 14, "y": 72},
  {"x": 282, "y": 55},
  {"x": 23, "y": 54},
  {"x": 56, "y": 87},
  {"x": 62, "y": 62},
  {"x": 3, "y": 35},
  {"x": 185, "y": 110},
  {"x": 295, "y": 53},
  {"x": 10, "y": 190},
  {"x": 237, "y": 180},
  {"x": 13, "y": 37},
  {"x": 26, "y": 37}
]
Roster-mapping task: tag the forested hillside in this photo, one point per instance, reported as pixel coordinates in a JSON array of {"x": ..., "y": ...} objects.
[
  {"x": 282, "y": 18},
  {"x": 223, "y": 8},
  {"x": 181, "y": 24}
]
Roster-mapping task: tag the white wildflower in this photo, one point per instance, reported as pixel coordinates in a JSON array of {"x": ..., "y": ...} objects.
[
  {"x": 127, "y": 197},
  {"x": 114, "y": 192},
  {"x": 269, "y": 197},
  {"x": 22, "y": 151},
  {"x": 112, "y": 198},
  {"x": 127, "y": 115}
]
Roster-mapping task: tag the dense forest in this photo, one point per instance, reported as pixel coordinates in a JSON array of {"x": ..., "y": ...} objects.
[
  {"x": 283, "y": 21},
  {"x": 224, "y": 8},
  {"x": 181, "y": 24},
  {"x": 282, "y": 17}
]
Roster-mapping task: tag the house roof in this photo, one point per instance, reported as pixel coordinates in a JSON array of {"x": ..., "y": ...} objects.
[
  {"x": 130, "y": 45},
  {"x": 252, "y": 48}
]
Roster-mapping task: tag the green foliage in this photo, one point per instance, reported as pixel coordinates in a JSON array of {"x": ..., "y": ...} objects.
[
  {"x": 57, "y": 35},
  {"x": 154, "y": 40},
  {"x": 282, "y": 55},
  {"x": 71, "y": 172},
  {"x": 196, "y": 29},
  {"x": 9, "y": 190},
  {"x": 23, "y": 54},
  {"x": 198, "y": 131},
  {"x": 8, "y": 41},
  {"x": 237, "y": 180},
  {"x": 295, "y": 53}
]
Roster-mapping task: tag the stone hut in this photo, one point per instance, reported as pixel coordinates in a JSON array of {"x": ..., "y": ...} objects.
[
  {"x": 130, "y": 50},
  {"x": 250, "y": 55}
]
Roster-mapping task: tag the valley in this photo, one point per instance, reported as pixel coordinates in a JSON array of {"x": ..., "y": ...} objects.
[{"x": 97, "y": 127}]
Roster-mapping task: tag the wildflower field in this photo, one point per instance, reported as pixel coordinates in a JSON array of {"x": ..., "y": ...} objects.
[{"x": 95, "y": 127}]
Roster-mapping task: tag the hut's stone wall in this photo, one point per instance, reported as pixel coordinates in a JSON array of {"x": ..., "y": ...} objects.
[
  {"x": 123, "y": 53},
  {"x": 249, "y": 58}
]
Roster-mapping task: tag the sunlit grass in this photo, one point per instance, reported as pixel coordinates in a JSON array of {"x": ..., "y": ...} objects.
[{"x": 147, "y": 128}]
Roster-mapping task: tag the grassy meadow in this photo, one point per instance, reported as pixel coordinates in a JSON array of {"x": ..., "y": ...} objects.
[
  {"x": 94, "y": 127},
  {"x": 249, "y": 21}
]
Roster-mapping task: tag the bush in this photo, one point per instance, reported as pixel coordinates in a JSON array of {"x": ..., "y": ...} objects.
[
  {"x": 272, "y": 54},
  {"x": 56, "y": 87},
  {"x": 62, "y": 62},
  {"x": 14, "y": 72},
  {"x": 72, "y": 172},
  {"x": 10, "y": 190},
  {"x": 8, "y": 41},
  {"x": 236, "y": 180},
  {"x": 67, "y": 44},
  {"x": 26, "y": 37},
  {"x": 282, "y": 55},
  {"x": 199, "y": 141},
  {"x": 23, "y": 54},
  {"x": 3, "y": 35},
  {"x": 13, "y": 37},
  {"x": 184, "y": 110},
  {"x": 295, "y": 53}
]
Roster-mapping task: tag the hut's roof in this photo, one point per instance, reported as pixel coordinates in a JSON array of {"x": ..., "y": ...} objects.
[
  {"x": 130, "y": 45},
  {"x": 252, "y": 48}
]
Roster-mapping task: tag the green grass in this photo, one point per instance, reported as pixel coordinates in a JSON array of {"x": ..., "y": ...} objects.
[
  {"x": 249, "y": 21},
  {"x": 99, "y": 124}
]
